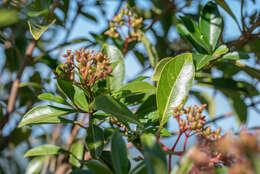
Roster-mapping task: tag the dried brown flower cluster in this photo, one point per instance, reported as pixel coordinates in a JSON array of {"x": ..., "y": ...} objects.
[
  {"x": 127, "y": 17},
  {"x": 238, "y": 154},
  {"x": 89, "y": 66},
  {"x": 194, "y": 121}
]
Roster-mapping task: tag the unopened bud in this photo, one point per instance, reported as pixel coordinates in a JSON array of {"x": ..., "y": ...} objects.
[{"x": 208, "y": 130}]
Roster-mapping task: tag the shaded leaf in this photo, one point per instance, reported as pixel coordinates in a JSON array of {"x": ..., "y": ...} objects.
[
  {"x": 44, "y": 12},
  {"x": 95, "y": 140},
  {"x": 45, "y": 115},
  {"x": 234, "y": 56},
  {"x": 96, "y": 167},
  {"x": 81, "y": 171},
  {"x": 147, "y": 106},
  {"x": 8, "y": 17},
  {"x": 154, "y": 155},
  {"x": 210, "y": 24},
  {"x": 119, "y": 154},
  {"x": 46, "y": 149},
  {"x": 37, "y": 30},
  {"x": 201, "y": 60},
  {"x": 50, "y": 97},
  {"x": 173, "y": 87},
  {"x": 151, "y": 51}
]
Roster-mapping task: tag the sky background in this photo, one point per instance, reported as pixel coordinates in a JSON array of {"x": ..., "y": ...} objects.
[{"x": 83, "y": 27}]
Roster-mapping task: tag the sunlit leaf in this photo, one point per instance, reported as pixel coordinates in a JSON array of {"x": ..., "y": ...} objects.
[
  {"x": 201, "y": 60},
  {"x": 46, "y": 149},
  {"x": 151, "y": 51},
  {"x": 35, "y": 165},
  {"x": 76, "y": 155},
  {"x": 37, "y": 30},
  {"x": 158, "y": 69}
]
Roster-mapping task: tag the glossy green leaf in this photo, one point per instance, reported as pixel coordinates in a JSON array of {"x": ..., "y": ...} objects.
[
  {"x": 151, "y": 51},
  {"x": 110, "y": 105},
  {"x": 37, "y": 30},
  {"x": 44, "y": 12},
  {"x": 204, "y": 98},
  {"x": 45, "y": 115},
  {"x": 234, "y": 56},
  {"x": 95, "y": 140},
  {"x": 154, "y": 155},
  {"x": 74, "y": 93},
  {"x": 191, "y": 32},
  {"x": 158, "y": 69},
  {"x": 173, "y": 87},
  {"x": 96, "y": 167},
  {"x": 201, "y": 60},
  {"x": 50, "y": 97},
  {"x": 210, "y": 24},
  {"x": 46, "y": 149},
  {"x": 119, "y": 154},
  {"x": 8, "y": 17},
  {"x": 222, "y": 49},
  {"x": 76, "y": 155},
  {"x": 138, "y": 87},
  {"x": 224, "y": 5},
  {"x": 118, "y": 74},
  {"x": 35, "y": 165}
]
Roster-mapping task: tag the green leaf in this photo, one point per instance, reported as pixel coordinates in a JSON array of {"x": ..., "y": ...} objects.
[
  {"x": 45, "y": 115},
  {"x": 158, "y": 69},
  {"x": 201, "y": 60},
  {"x": 210, "y": 24},
  {"x": 151, "y": 51},
  {"x": 191, "y": 32},
  {"x": 44, "y": 12},
  {"x": 154, "y": 155},
  {"x": 149, "y": 105},
  {"x": 46, "y": 149},
  {"x": 255, "y": 73},
  {"x": 33, "y": 84},
  {"x": 96, "y": 167},
  {"x": 106, "y": 158},
  {"x": 37, "y": 30},
  {"x": 112, "y": 106},
  {"x": 138, "y": 87},
  {"x": 74, "y": 93},
  {"x": 173, "y": 87},
  {"x": 118, "y": 74},
  {"x": 81, "y": 171},
  {"x": 8, "y": 17},
  {"x": 50, "y": 97},
  {"x": 140, "y": 168},
  {"x": 119, "y": 154},
  {"x": 76, "y": 150},
  {"x": 234, "y": 56},
  {"x": 204, "y": 98},
  {"x": 95, "y": 140},
  {"x": 222, "y": 49},
  {"x": 35, "y": 165},
  {"x": 165, "y": 133},
  {"x": 224, "y": 5}
]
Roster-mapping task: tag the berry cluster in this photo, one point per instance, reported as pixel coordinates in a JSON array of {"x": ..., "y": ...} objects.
[
  {"x": 194, "y": 121},
  {"x": 89, "y": 66},
  {"x": 127, "y": 17}
]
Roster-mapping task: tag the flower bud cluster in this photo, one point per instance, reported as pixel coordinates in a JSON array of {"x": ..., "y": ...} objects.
[
  {"x": 89, "y": 66},
  {"x": 194, "y": 121},
  {"x": 127, "y": 17}
]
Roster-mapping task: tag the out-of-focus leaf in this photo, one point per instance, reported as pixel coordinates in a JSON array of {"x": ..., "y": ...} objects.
[
  {"x": 50, "y": 97},
  {"x": 204, "y": 98},
  {"x": 95, "y": 140},
  {"x": 154, "y": 155},
  {"x": 96, "y": 167},
  {"x": 222, "y": 49},
  {"x": 201, "y": 60},
  {"x": 118, "y": 74},
  {"x": 224, "y": 5},
  {"x": 89, "y": 16},
  {"x": 158, "y": 69},
  {"x": 33, "y": 84},
  {"x": 191, "y": 32},
  {"x": 44, "y": 12},
  {"x": 76, "y": 155},
  {"x": 255, "y": 73},
  {"x": 106, "y": 158},
  {"x": 234, "y": 56},
  {"x": 151, "y": 51},
  {"x": 81, "y": 171},
  {"x": 111, "y": 106},
  {"x": 165, "y": 133},
  {"x": 35, "y": 165},
  {"x": 46, "y": 149},
  {"x": 37, "y": 30},
  {"x": 74, "y": 93},
  {"x": 8, "y": 17},
  {"x": 119, "y": 154},
  {"x": 210, "y": 24},
  {"x": 173, "y": 87},
  {"x": 45, "y": 115},
  {"x": 140, "y": 169}
]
